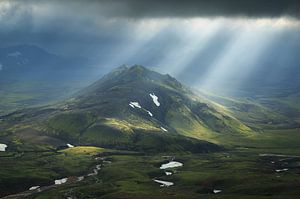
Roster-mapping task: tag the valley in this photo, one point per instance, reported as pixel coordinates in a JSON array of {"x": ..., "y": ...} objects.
[{"x": 240, "y": 172}]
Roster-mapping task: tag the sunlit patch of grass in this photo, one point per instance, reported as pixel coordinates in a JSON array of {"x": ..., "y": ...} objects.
[
  {"x": 141, "y": 123},
  {"x": 119, "y": 124},
  {"x": 83, "y": 150}
]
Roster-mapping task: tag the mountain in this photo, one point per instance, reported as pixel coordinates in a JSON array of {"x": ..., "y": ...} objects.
[
  {"x": 24, "y": 62},
  {"x": 130, "y": 108},
  {"x": 30, "y": 75}
]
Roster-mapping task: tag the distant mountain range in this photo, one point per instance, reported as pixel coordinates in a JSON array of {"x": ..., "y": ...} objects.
[
  {"x": 28, "y": 62},
  {"x": 30, "y": 75}
]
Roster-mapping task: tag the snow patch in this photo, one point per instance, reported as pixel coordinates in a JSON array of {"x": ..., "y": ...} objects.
[
  {"x": 171, "y": 164},
  {"x": 217, "y": 191},
  {"x": 80, "y": 178},
  {"x": 162, "y": 128},
  {"x": 168, "y": 173},
  {"x": 164, "y": 183},
  {"x": 61, "y": 181},
  {"x": 150, "y": 113},
  {"x": 155, "y": 99},
  {"x": 33, "y": 188},
  {"x": 281, "y": 170},
  {"x": 70, "y": 145},
  {"x": 3, "y": 147},
  {"x": 135, "y": 105}
]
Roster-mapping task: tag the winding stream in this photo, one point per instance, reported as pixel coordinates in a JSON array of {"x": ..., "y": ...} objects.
[{"x": 58, "y": 182}]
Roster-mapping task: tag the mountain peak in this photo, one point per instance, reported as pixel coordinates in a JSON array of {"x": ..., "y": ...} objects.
[
  {"x": 121, "y": 68},
  {"x": 134, "y": 68},
  {"x": 135, "y": 76},
  {"x": 131, "y": 73},
  {"x": 125, "y": 67},
  {"x": 138, "y": 68}
]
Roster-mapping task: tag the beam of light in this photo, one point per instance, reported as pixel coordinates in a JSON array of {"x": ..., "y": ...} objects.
[
  {"x": 195, "y": 34},
  {"x": 140, "y": 37},
  {"x": 241, "y": 57},
  {"x": 5, "y": 6},
  {"x": 148, "y": 38}
]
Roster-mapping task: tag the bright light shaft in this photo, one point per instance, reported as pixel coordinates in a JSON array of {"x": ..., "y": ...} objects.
[
  {"x": 194, "y": 34},
  {"x": 141, "y": 36},
  {"x": 241, "y": 57}
]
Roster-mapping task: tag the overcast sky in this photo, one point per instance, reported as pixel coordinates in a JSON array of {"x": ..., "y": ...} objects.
[
  {"x": 183, "y": 38},
  {"x": 67, "y": 24}
]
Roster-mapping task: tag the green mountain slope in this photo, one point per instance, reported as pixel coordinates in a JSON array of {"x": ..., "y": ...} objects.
[
  {"x": 132, "y": 108},
  {"x": 262, "y": 112}
]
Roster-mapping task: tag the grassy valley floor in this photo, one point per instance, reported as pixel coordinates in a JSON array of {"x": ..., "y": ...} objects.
[{"x": 248, "y": 170}]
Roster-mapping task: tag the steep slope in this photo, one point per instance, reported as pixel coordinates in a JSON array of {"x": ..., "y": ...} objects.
[
  {"x": 134, "y": 108},
  {"x": 125, "y": 101},
  {"x": 179, "y": 109}
]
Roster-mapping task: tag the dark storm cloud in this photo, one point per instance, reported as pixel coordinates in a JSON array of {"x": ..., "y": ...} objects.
[
  {"x": 107, "y": 16},
  {"x": 165, "y": 8},
  {"x": 196, "y": 8},
  {"x": 104, "y": 27}
]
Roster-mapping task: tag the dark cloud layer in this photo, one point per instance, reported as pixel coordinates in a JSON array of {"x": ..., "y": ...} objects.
[
  {"x": 171, "y": 8},
  {"x": 195, "y": 8},
  {"x": 76, "y": 26},
  {"x": 106, "y": 27}
]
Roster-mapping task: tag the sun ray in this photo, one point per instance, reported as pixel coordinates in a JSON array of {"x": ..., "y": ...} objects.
[{"x": 240, "y": 58}]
